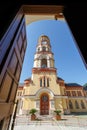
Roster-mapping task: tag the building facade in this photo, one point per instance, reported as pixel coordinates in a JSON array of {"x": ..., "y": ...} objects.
[{"x": 45, "y": 90}]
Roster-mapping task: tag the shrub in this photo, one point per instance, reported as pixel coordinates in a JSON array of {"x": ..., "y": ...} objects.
[
  {"x": 57, "y": 112},
  {"x": 33, "y": 111}
]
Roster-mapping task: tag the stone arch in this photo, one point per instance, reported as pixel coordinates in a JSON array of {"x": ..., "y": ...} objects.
[{"x": 44, "y": 90}]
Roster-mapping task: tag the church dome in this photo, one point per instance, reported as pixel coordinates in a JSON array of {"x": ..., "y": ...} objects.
[{"x": 44, "y": 39}]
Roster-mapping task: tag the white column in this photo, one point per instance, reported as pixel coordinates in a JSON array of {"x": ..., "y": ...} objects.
[
  {"x": 39, "y": 63},
  {"x": 48, "y": 63},
  {"x": 20, "y": 107}
]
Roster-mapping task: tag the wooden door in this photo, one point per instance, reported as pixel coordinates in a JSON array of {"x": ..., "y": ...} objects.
[{"x": 44, "y": 104}]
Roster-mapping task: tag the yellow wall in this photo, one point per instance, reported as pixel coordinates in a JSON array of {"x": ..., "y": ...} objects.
[
  {"x": 33, "y": 88},
  {"x": 79, "y": 102},
  {"x": 55, "y": 91}
]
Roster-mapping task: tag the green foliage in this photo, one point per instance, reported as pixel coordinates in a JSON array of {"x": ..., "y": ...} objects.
[
  {"x": 33, "y": 111},
  {"x": 85, "y": 85},
  {"x": 57, "y": 112}
]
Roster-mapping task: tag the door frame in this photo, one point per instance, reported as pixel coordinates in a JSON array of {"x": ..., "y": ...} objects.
[{"x": 41, "y": 103}]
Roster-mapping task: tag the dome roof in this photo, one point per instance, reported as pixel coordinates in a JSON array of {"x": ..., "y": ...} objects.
[{"x": 43, "y": 39}]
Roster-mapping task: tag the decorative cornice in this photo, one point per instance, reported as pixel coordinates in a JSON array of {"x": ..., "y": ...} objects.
[
  {"x": 44, "y": 52},
  {"x": 73, "y": 88},
  {"x": 55, "y": 96},
  {"x": 28, "y": 81},
  {"x": 76, "y": 97},
  {"x": 60, "y": 96},
  {"x": 20, "y": 87},
  {"x": 39, "y": 70}
]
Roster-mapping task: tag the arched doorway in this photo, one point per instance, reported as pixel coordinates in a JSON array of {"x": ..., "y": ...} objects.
[{"x": 44, "y": 104}]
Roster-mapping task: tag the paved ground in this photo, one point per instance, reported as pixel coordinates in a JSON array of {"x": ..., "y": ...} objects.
[{"x": 68, "y": 122}]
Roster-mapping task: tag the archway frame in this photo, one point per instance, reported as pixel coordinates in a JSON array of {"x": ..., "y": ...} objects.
[
  {"x": 40, "y": 12},
  {"x": 13, "y": 46},
  {"x": 9, "y": 48}
]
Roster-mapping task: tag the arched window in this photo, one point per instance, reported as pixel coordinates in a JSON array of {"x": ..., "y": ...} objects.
[
  {"x": 38, "y": 49},
  {"x": 40, "y": 82},
  {"x": 44, "y": 48},
  {"x": 44, "y": 63},
  {"x": 73, "y": 93},
  {"x": 76, "y": 105},
  {"x": 47, "y": 82},
  {"x": 68, "y": 93},
  {"x": 82, "y": 104},
  {"x": 44, "y": 82},
  {"x": 70, "y": 104},
  {"x": 79, "y": 93}
]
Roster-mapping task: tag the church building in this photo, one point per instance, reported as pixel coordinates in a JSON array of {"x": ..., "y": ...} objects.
[{"x": 45, "y": 90}]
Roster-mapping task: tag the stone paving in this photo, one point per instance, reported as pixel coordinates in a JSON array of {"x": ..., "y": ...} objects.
[{"x": 68, "y": 122}]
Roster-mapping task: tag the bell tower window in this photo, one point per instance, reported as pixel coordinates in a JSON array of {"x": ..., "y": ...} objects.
[
  {"x": 44, "y": 63},
  {"x": 44, "y": 42},
  {"x": 44, "y": 48},
  {"x": 38, "y": 49}
]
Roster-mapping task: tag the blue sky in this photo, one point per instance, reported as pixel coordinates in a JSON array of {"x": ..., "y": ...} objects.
[{"x": 68, "y": 62}]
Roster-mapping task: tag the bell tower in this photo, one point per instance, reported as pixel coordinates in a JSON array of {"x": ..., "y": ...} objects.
[
  {"x": 43, "y": 57},
  {"x": 43, "y": 73},
  {"x": 43, "y": 90}
]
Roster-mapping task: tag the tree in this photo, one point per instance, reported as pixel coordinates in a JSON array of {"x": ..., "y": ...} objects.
[{"x": 85, "y": 85}]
